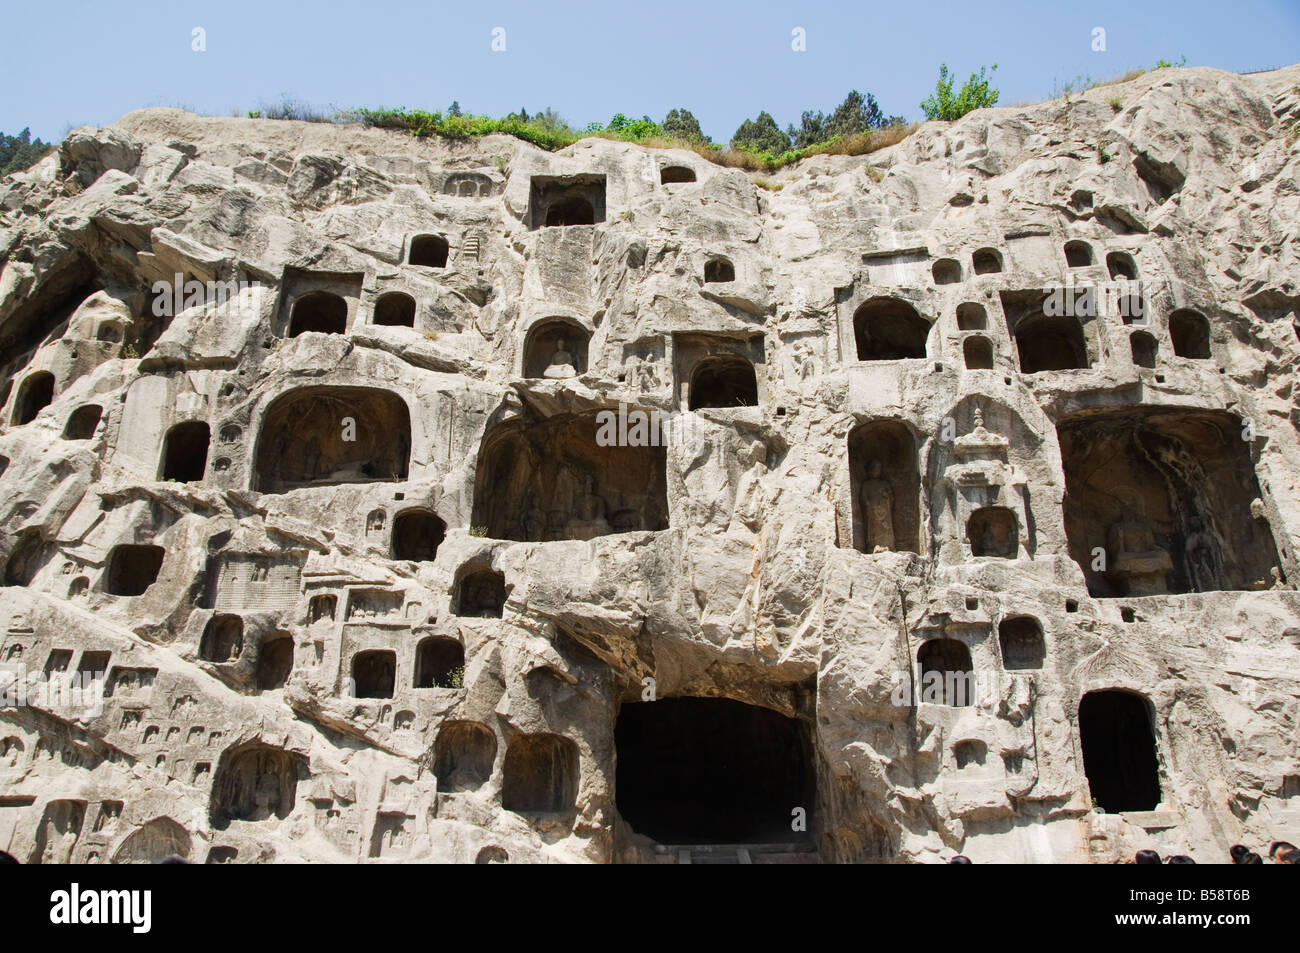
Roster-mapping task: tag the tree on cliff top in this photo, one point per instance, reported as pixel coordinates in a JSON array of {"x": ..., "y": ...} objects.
[{"x": 18, "y": 153}]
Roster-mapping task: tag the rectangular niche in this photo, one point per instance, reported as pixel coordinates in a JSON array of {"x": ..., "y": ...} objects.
[
  {"x": 375, "y": 605},
  {"x": 561, "y": 200},
  {"x": 249, "y": 582},
  {"x": 317, "y": 300},
  {"x": 716, "y": 370},
  {"x": 132, "y": 683}
]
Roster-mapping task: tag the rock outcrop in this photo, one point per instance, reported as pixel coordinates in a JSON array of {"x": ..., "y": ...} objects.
[{"x": 367, "y": 497}]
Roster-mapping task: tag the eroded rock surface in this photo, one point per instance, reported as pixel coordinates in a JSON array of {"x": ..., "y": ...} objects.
[{"x": 343, "y": 541}]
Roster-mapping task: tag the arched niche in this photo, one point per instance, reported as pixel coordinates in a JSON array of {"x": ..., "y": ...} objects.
[
  {"x": 83, "y": 422},
  {"x": 274, "y": 662},
  {"x": 972, "y": 316},
  {"x": 1121, "y": 266},
  {"x": 946, "y": 271},
  {"x": 556, "y": 348},
  {"x": 34, "y": 394},
  {"x": 322, "y": 312},
  {"x": 723, "y": 380},
  {"x": 480, "y": 593},
  {"x": 993, "y": 531},
  {"x": 885, "y": 486},
  {"x": 439, "y": 663},
  {"x": 540, "y": 774},
  {"x": 1143, "y": 348},
  {"x": 417, "y": 534},
  {"x": 223, "y": 638},
  {"x": 1078, "y": 254},
  {"x": 1118, "y": 741},
  {"x": 947, "y": 674},
  {"x": 132, "y": 568},
  {"x": 1021, "y": 640},
  {"x": 1190, "y": 333},
  {"x": 987, "y": 261},
  {"x": 160, "y": 839},
  {"x": 889, "y": 329},
  {"x": 254, "y": 782},
  {"x": 374, "y": 673},
  {"x": 977, "y": 353},
  {"x": 719, "y": 270},
  {"x": 676, "y": 174},
  {"x": 302, "y": 439},
  {"x": 575, "y": 210},
  {"x": 395, "y": 309},
  {"x": 550, "y": 478},
  {"x": 185, "y": 452},
  {"x": 463, "y": 755}
]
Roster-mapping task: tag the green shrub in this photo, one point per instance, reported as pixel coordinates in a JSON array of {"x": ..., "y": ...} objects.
[
  {"x": 975, "y": 93},
  {"x": 759, "y": 145}
]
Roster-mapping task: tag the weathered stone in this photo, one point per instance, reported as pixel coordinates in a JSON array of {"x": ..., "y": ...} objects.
[{"x": 953, "y": 489}]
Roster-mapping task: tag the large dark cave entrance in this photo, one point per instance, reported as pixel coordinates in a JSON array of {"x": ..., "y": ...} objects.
[
  {"x": 711, "y": 771},
  {"x": 1119, "y": 751}
]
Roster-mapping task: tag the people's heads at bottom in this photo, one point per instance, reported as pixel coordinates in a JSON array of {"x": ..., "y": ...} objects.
[
  {"x": 1251, "y": 858},
  {"x": 1237, "y": 852},
  {"x": 1146, "y": 857},
  {"x": 960, "y": 859},
  {"x": 1180, "y": 859},
  {"x": 1283, "y": 852},
  {"x": 7, "y": 858}
]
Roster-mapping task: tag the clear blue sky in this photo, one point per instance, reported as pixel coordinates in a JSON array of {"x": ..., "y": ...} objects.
[{"x": 89, "y": 61}]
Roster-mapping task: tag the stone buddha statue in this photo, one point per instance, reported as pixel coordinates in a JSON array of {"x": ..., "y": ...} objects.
[
  {"x": 878, "y": 510},
  {"x": 588, "y": 519},
  {"x": 562, "y": 362},
  {"x": 1135, "y": 557}
]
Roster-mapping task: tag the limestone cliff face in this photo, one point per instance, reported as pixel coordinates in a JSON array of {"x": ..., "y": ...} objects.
[{"x": 336, "y": 521}]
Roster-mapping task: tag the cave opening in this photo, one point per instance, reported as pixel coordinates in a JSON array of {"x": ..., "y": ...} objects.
[
  {"x": 723, "y": 381},
  {"x": 185, "y": 452},
  {"x": 326, "y": 435},
  {"x": 887, "y": 329},
  {"x": 439, "y": 663},
  {"x": 274, "y": 662},
  {"x": 395, "y": 310},
  {"x": 320, "y": 311},
  {"x": 711, "y": 771},
  {"x": 1119, "y": 751},
  {"x": 552, "y": 479},
  {"x": 83, "y": 422},
  {"x": 1166, "y": 495},
  {"x": 429, "y": 251},
  {"x": 35, "y": 395},
  {"x": 133, "y": 568},
  {"x": 417, "y": 534},
  {"x": 374, "y": 674}
]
